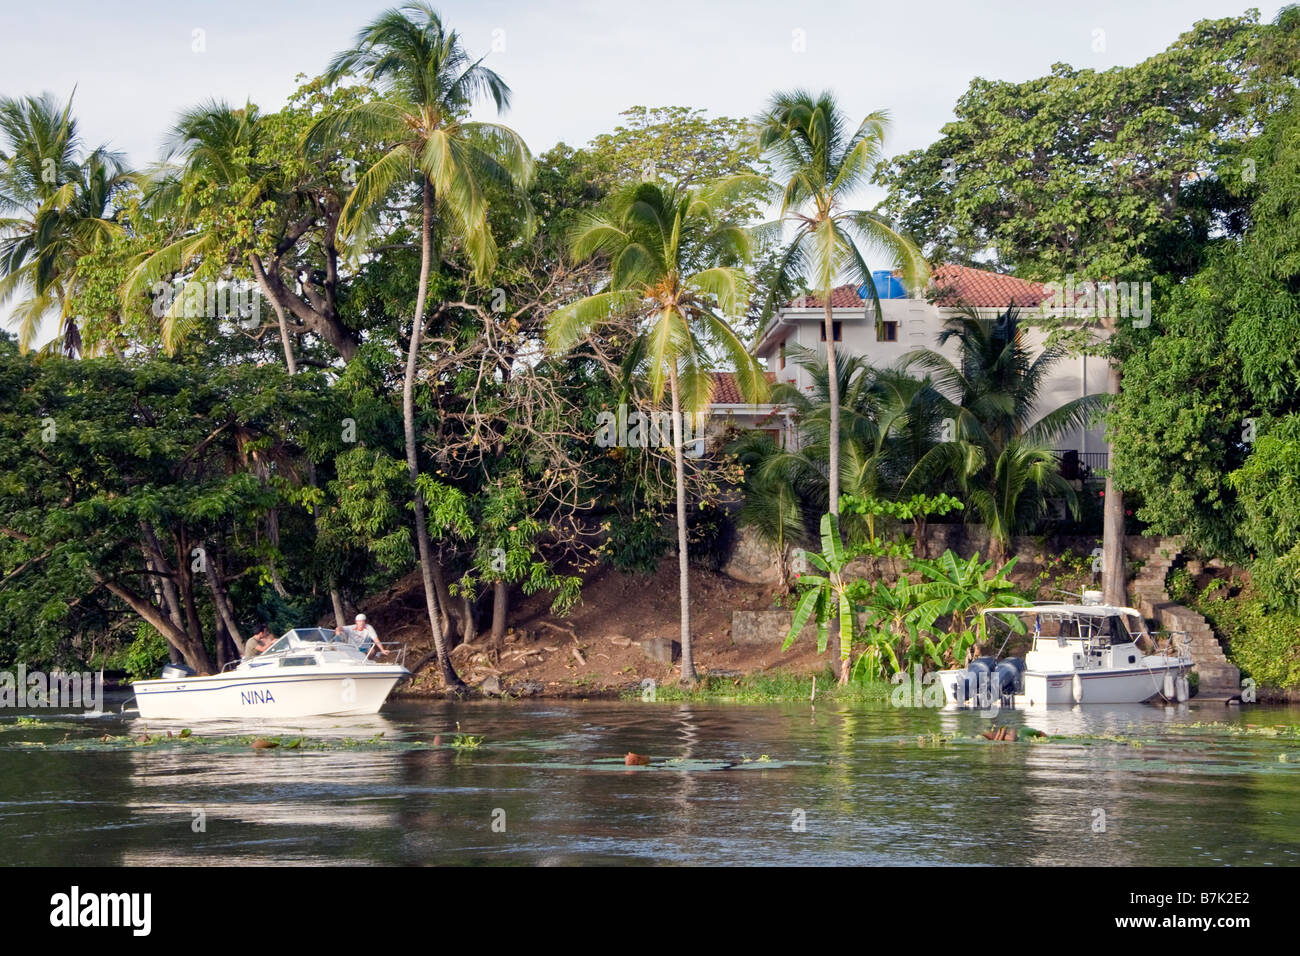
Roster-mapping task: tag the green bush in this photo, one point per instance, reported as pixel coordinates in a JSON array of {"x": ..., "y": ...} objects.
[
  {"x": 1181, "y": 586},
  {"x": 147, "y": 653},
  {"x": 638, "y": 543},
  {"x": 1264, "y": 643}
]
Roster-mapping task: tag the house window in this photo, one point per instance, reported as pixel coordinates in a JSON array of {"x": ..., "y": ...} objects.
[
  {"x": 887, "y": 332},
  {"x": 782, "y": 365},
  {"x": 835, "y": 330}
]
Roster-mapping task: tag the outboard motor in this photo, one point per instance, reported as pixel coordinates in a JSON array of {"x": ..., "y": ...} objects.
[
  {"x": 1009, "y": 678},
  {"x": 979, "y": 681},
  {"x": 176, "y": 671}
]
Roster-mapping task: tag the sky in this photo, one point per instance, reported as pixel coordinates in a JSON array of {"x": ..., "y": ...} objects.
[{"x": 574, "y": 66}]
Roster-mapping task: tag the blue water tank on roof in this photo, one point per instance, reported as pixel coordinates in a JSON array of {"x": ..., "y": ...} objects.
[{"x": 888, "y": 286}]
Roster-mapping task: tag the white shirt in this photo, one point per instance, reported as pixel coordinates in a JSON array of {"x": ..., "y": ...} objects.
[{"x": 362, "y": 632}]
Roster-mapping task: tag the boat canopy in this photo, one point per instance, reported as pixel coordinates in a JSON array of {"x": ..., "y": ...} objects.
[{"x": 1067, "y": 610}]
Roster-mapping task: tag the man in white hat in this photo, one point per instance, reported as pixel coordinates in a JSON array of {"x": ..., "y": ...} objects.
[{"x": 365, "y": 635}]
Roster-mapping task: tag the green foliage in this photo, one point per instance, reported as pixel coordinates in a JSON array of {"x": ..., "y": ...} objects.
[
  {"x": 1263, "y": 641},
  {"x": 999, "y": 452},
  {"x": 1121, "y": 173},
  {"x": 636, "y": 543},
  {"x": 146, "y": 654},
  {"x": 198, "y": 449},
  {"x": 1268, "y": 488},
  {"x": 965, "y": 589},
  {"x": 507, "y": 539},
  {"x": 930, "y": 614},
  {"x": 1204, "y": 430}
]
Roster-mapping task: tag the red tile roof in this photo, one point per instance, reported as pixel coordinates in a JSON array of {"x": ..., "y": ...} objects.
[
  {"x": 962, "y": 285},
  {"x": 725, "y": 389},
  {"x": 842, "y": 297},
  {"x": 953, "y": 285}
]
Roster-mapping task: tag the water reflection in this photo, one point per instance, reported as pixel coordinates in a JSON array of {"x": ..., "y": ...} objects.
[{"x": 773, "y": 784}]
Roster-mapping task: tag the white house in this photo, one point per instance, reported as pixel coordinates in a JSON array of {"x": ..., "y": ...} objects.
[{"x": 908, "y": 323}]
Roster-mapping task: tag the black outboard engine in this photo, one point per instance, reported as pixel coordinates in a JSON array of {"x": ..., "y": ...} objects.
[
  {"x": 978, "y": 681},
  {"x": 175, "y": 671},
  {"x": 1009, "y": 679}
]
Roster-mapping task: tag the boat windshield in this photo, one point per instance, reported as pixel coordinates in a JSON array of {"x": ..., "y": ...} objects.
[{"x": 312, "y": 635}]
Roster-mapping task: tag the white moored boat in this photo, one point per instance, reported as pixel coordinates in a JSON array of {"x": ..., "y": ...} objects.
[
  {"x": 309, "y": 672},
  {"x": 1081, "y": 654}
]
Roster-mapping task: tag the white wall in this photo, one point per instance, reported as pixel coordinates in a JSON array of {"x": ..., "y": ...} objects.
[{"x": 919, "y": 324}]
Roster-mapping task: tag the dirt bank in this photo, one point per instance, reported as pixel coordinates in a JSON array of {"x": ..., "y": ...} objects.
[{"x": 596, "y": 649}]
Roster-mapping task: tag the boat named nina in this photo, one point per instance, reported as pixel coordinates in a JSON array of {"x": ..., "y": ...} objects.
[{"x": 309, "y": 672}]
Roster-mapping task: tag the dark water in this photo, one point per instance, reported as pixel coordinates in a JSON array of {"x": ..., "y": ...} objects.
[{"x": 865, "y": 789}]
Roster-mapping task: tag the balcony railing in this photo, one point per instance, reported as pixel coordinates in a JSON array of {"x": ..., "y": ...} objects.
[{"x": 1081, "y": 464}]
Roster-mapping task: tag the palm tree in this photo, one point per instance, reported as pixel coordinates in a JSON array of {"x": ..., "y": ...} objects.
[
  {"x": 56, "y": 208},
  {"x": 212, "y": 145},
  {"x": 999, "y": 452},
  {"x": 889, "y": 425},
  {"x": 819, "y": 161},
  {"x": 673, "y": 268},
  {"x": 428, "y": 84}
]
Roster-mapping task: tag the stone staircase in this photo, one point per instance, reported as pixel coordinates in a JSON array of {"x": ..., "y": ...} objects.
[{"x": 1218, "y": 678}]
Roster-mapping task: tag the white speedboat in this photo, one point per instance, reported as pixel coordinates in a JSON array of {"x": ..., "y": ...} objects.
[
  {"x": 1081, "y": 654},
  {"x": 309, "y": 672}
]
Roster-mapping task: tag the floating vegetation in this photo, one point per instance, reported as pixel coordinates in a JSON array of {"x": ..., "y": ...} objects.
[
  {"x": 463, "y": 742},
  {"x": 1243, "y": 730}
]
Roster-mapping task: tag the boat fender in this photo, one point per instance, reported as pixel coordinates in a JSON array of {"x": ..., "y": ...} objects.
[
  {"x": 1184, "y": 691},
  {"x": 1078, "y": 689},
  {"x": 1170, "y": 680}
]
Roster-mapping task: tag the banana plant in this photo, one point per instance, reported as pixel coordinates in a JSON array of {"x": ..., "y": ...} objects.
[
  {"x": 827, "y": 594},
  {"x": 899, "y": 621},
  {"x": 965, "y": 588}
]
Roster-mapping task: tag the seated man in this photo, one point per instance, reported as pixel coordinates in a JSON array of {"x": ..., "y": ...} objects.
[
  {"x": 258, "y": 643},
  {"x": 364, "y": 636}
]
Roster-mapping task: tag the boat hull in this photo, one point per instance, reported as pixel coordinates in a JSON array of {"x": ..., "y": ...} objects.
[
  {"x": 283, "y": 693},
  {"x": 1099, "y": 686}
]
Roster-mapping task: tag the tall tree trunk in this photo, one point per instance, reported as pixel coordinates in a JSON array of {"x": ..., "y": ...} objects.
[
  {"x": 1113, "y": 586},
  {"x": 500, "y": 608},
  {"x": 453, "y": 682},
  {"x": 220, "y": 645},
  {"x": 997, "y": 552},
  {"x": 221, "y": 600},
  {"x": 163, "y": 589},
  {"x": 833, "y": 457},
  {"x": 454, "y": 629},
  {"x": 279, "y": 312},
  {"x": 335, "y": 599},
  {"x": 683, "y": 556},
  {"x": 833, "y": 384},
  {"x": 191, "y": 648},
  {"x": 186, "y": 584}
]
